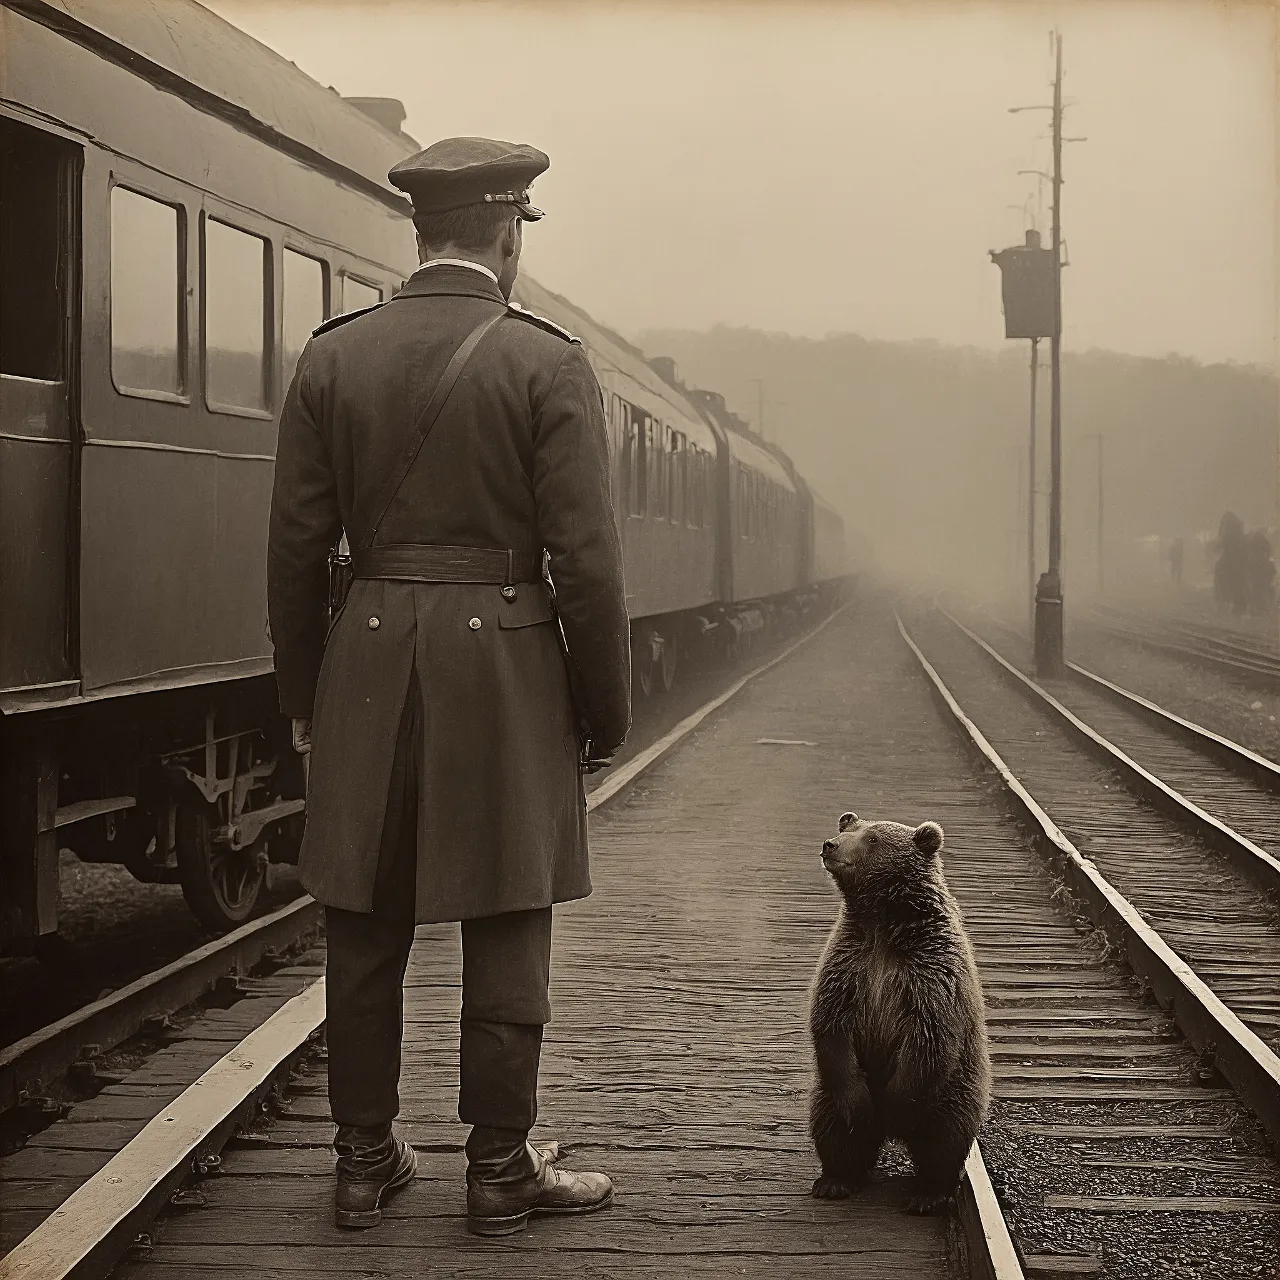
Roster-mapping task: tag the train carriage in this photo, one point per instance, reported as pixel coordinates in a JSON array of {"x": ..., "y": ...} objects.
[
  {"x": 666, "y": 496},
  {"x": 190, "y": 206},
  {"x": 829, "y": 561}
]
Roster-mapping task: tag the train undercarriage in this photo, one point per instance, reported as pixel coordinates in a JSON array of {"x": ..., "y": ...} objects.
[{"x": 200, "y": 787}]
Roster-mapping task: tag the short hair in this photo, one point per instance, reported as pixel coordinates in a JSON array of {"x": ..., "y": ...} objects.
[{"x": 474, "y": 226}]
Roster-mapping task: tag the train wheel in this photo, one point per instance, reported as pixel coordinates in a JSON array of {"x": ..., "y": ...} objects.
[
  {"x": 220, "y": 884},
  {"x": 644, "y": 671},
  {"x": 670, "y": 662}
]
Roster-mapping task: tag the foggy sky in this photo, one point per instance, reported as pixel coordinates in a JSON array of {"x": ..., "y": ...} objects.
[{"x": 818, "y": 168}]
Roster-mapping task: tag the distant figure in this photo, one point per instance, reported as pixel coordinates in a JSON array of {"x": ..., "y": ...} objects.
[
  {"x": 1230, "y": 573},
  {"x": 1260, "y": 571},
  {"x": 1175, "y": 560}
]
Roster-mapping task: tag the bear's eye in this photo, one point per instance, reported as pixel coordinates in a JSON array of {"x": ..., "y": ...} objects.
[{"x": 872, "y": 840}]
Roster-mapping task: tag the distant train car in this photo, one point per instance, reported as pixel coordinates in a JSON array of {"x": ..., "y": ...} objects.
[
  {"x": 830, "y": 557},
  {"x": 665, "y": 491},
  {"x": 189, "y": 207}
]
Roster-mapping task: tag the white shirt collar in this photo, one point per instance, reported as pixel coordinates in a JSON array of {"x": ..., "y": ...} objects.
[{"x": 458, "y": 262}]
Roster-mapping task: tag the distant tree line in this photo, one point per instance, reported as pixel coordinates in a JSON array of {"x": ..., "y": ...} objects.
[
  {"x": 1244, "y": 572},
  {"x": 924, "y": 446}
]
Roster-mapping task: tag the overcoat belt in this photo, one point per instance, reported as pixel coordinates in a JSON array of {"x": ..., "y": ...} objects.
[{"x": 515, "y": 467}]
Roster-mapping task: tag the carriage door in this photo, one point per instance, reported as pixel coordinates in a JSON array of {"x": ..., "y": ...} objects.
[
  {"x": 39, "y": 281},
  {"x": 39, "y": 176}
]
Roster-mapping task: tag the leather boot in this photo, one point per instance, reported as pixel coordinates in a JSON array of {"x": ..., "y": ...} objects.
[
  {"x": 509, "y": 1179},
  {"x": 372, "y": 1163}
]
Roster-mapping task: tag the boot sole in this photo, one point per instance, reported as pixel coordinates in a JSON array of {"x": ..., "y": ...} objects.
[
  {"x": 518, "y": 1221},
  {"x": 363, "y": 1219}
]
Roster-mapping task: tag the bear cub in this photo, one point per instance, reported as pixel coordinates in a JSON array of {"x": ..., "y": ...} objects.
[{"x": 896, "y": 1014}]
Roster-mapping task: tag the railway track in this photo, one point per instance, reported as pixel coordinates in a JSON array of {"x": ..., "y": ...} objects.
[
  {"x": 1119, "y": 1139},
  {"x": 1206, "y": 887},
  {"x": 106, "y": 1216},
  {"x": 1246, "y": 657},
  {"x": 72, "y": 1056},
  {"x": 33, "y": 1069},
  {"x": 1193, "y": 930}
]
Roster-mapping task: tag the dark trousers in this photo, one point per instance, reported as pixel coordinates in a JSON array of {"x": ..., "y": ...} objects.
[{"x": 506, "y": 964}]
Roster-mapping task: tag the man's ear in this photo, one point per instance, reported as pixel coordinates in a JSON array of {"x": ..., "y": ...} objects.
[{"x": 511, "y": 238}]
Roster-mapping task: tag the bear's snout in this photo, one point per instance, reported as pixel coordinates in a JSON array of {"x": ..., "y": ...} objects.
[{"x": 829, "y": 847}]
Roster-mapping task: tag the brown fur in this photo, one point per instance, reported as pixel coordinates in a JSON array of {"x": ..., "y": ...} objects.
[{"x": 896, "y": 1015}]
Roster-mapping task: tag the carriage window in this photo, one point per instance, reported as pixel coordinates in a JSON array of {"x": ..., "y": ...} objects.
[
  {"x": 146, "y": 293},
  {"x": 303, "y": 305},
  {"x": 32, "y": 257},
  {"x": 621, "y": 432},
  {"x": 357, "y": 294},
  {"x": 692, "y": 469},
  {"x": 235, "y": 317},
  {"x": 657, "y": 458},
  {"x": 677, "y": 477},
  {"x": 641, "y": 429}
]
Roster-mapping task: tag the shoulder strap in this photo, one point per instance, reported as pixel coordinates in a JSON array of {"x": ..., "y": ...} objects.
[{"x": 427, "y": 420}]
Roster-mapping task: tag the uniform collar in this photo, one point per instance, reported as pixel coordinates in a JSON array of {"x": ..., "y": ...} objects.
[
  {"x": 450, "y": 280},
  {"x": 458, "y": 262}
]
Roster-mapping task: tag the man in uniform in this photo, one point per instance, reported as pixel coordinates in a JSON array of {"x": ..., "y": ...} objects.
[{"x": 458, "y": 696}]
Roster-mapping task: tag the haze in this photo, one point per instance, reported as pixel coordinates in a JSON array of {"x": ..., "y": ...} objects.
[
  {"x": 806, "y": 195},
  {"x": 820, "y": 168}
]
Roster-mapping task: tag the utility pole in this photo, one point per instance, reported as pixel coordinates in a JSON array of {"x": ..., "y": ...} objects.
[
  {"x": 1031, "y": 500},
  {"x": 1097, "y": 435},
  {"x": 1032, "y": 294},
  {"x": 761, "y": 401},
  {"x": 1049, "y": 630},
  {"x": 1100, "y": 555},
  {"x": 759, "y": 404}
]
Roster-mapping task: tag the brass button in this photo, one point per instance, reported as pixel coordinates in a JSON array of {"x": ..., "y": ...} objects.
[
  {"x": 374, "y": 624},
  {"x": 508, "y": 593},
  {"x": 475, "y": 624}
]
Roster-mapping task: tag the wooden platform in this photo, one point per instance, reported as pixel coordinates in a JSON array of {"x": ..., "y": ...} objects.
[{"x": 678, "y": 1059}]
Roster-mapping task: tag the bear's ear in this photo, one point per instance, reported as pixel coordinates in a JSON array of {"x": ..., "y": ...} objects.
[
  {"x": 847, "y": 820},
  {"x": 927, "y": 837}
]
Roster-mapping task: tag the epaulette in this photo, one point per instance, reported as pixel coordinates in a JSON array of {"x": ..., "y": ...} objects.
[
  {"x": 542, "y": 322},
  {"x": 334, "y": 322}
]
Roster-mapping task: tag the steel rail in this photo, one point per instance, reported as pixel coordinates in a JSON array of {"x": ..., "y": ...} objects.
[
  {"x": 1244, "y": 1060},
  {"x": 89, "y": 1233},
  {"x": 29, "y": 1064},
  {"x": 1261, "y": 867},
  {"x": 1239, "y": 759},
  {"x": 32, "y": 1063},
  {"x": 1230, "y": 639},
  {"x": 1239, "y": 660},
  {"x": 992, "y": 1255}
]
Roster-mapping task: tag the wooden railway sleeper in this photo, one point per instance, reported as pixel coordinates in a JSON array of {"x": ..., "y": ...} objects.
[
  {"x": 1244, "y": 1060},
  {"x": 1261, "y": 867},
  {"x": 1237, "y": 758}
]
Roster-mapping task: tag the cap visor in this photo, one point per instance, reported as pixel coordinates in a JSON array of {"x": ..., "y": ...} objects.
[{"x": 529, "y": 213}]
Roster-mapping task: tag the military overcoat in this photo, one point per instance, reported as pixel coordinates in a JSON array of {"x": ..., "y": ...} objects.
[{"x": 518, "y": 459}]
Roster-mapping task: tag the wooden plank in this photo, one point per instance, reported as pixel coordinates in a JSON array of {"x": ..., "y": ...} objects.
[
  {"x": 464, "y": 1261},
  {"x": 1194, "y": 1132},
  {"x": 92, "y": 1220},
  {"x": 1163, "y": 1204}
]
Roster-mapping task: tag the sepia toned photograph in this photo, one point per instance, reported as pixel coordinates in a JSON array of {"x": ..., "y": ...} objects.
[{"x": 639, "y": 638}]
